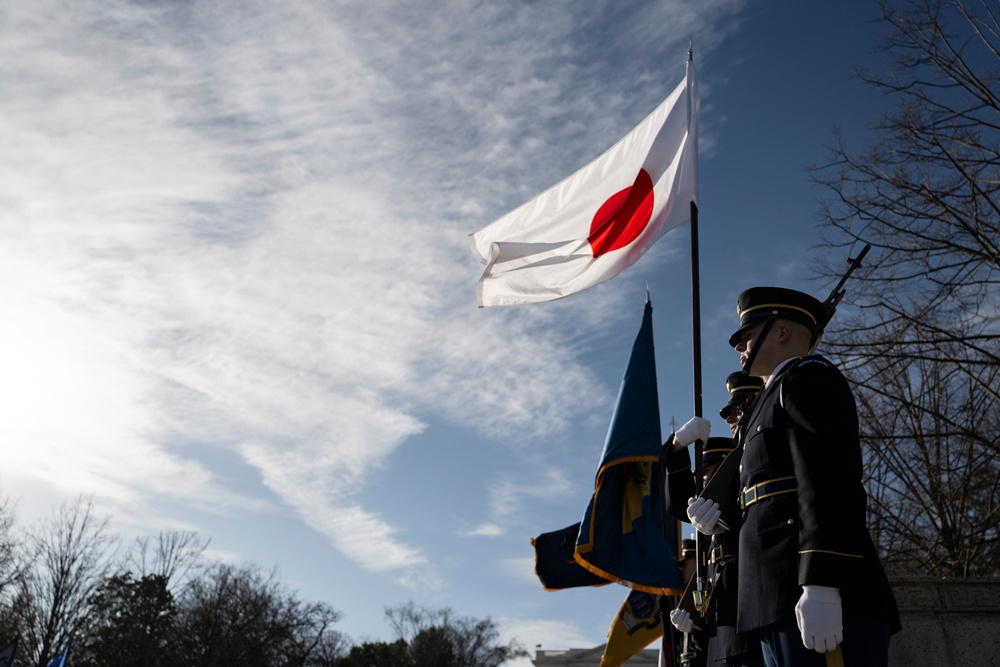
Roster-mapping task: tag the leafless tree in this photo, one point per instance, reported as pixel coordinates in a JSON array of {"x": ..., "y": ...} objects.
[
  {"x": 71, "y": 553},
  {"x": 172, "y": 555},
  {"x": 922, "y": 346},
  {"x": 934, "y": 474},
  {"x": 13, "y": 565},
  {"x": 244, "y": 616}
]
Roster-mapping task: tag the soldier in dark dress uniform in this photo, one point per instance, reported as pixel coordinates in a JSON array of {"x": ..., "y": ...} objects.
[
  {"x": 725, "y": 645},
  {"x": 743, "y": 389},
  {"x": 810, "y": 580}
]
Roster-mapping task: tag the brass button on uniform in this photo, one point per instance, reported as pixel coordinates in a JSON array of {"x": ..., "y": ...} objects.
[{"x": 791, "y": 522}]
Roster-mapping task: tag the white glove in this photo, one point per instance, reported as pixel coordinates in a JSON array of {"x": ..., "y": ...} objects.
[
  {"x": 704, "y": 515},
  {"x": 696, "y": 428},
  {"x": 818, "y": 615},
  {"x": 681, "y": 620}
]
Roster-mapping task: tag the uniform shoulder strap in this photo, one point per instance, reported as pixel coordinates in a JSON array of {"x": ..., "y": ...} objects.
[
  {"x": 808, "y": 359},
  {"x": 781, "y": 380}
]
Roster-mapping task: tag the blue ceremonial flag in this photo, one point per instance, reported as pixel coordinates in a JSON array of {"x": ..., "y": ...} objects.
[
  {"x": 554, "y": 563},
  {"x": 626, "y": 536}
]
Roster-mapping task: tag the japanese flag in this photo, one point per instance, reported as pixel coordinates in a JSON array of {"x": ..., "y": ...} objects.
[{"x": 598, "y": 222}]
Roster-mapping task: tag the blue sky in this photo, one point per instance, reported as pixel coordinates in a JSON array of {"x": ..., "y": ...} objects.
[{"x": 238, "y": 297}]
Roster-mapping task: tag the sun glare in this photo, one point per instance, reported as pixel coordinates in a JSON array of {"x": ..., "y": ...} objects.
[
  {"x": 39, "y": 377},
  {"x": 56, "y": 377}
]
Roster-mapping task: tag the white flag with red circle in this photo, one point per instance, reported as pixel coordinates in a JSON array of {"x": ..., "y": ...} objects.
[{"x": 598, "y": 222}]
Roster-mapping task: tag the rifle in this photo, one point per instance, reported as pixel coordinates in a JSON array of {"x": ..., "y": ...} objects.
[{"x": 830, "y": 305}]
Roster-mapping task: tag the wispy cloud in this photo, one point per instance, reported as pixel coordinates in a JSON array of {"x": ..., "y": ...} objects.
[
  {"x": 509, "y": 496},
  {"x": 484, "y": 530},
  {"x": 243, "y": 225}
]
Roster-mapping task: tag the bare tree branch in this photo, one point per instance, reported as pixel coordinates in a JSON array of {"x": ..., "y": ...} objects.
[{"x": 922, "y": 346}]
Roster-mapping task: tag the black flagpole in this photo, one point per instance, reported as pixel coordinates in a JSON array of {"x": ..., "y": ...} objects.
[{"x": 695, "y": 311}]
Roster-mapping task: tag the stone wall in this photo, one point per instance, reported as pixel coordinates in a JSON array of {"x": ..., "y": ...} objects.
[{"x": 947, "y": 622}]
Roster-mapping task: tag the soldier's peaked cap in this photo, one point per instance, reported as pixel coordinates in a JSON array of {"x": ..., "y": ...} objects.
[
  {"x": 716, "y": 449},
  {"x": 759, "y": 303},
  {"x": 741, "y": 388},
  {"x": 688, "y": 549}
]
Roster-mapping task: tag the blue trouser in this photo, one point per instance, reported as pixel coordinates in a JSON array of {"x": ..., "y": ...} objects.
[{"x": 866, "y": 644}]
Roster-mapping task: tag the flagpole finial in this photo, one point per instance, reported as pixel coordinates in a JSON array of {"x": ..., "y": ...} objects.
[
  {"x": 647, "y": 291},
  {"x": 691, "y": 50}
]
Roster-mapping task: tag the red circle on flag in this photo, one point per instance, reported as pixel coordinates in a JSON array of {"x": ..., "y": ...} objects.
[{"x": 621, "y": 219}]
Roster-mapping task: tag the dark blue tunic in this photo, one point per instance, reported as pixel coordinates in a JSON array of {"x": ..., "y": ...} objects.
[{"x": 805, "y": 427}]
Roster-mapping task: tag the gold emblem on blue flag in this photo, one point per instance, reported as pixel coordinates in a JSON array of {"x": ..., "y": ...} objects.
[{"x": 625, "y": 535}]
